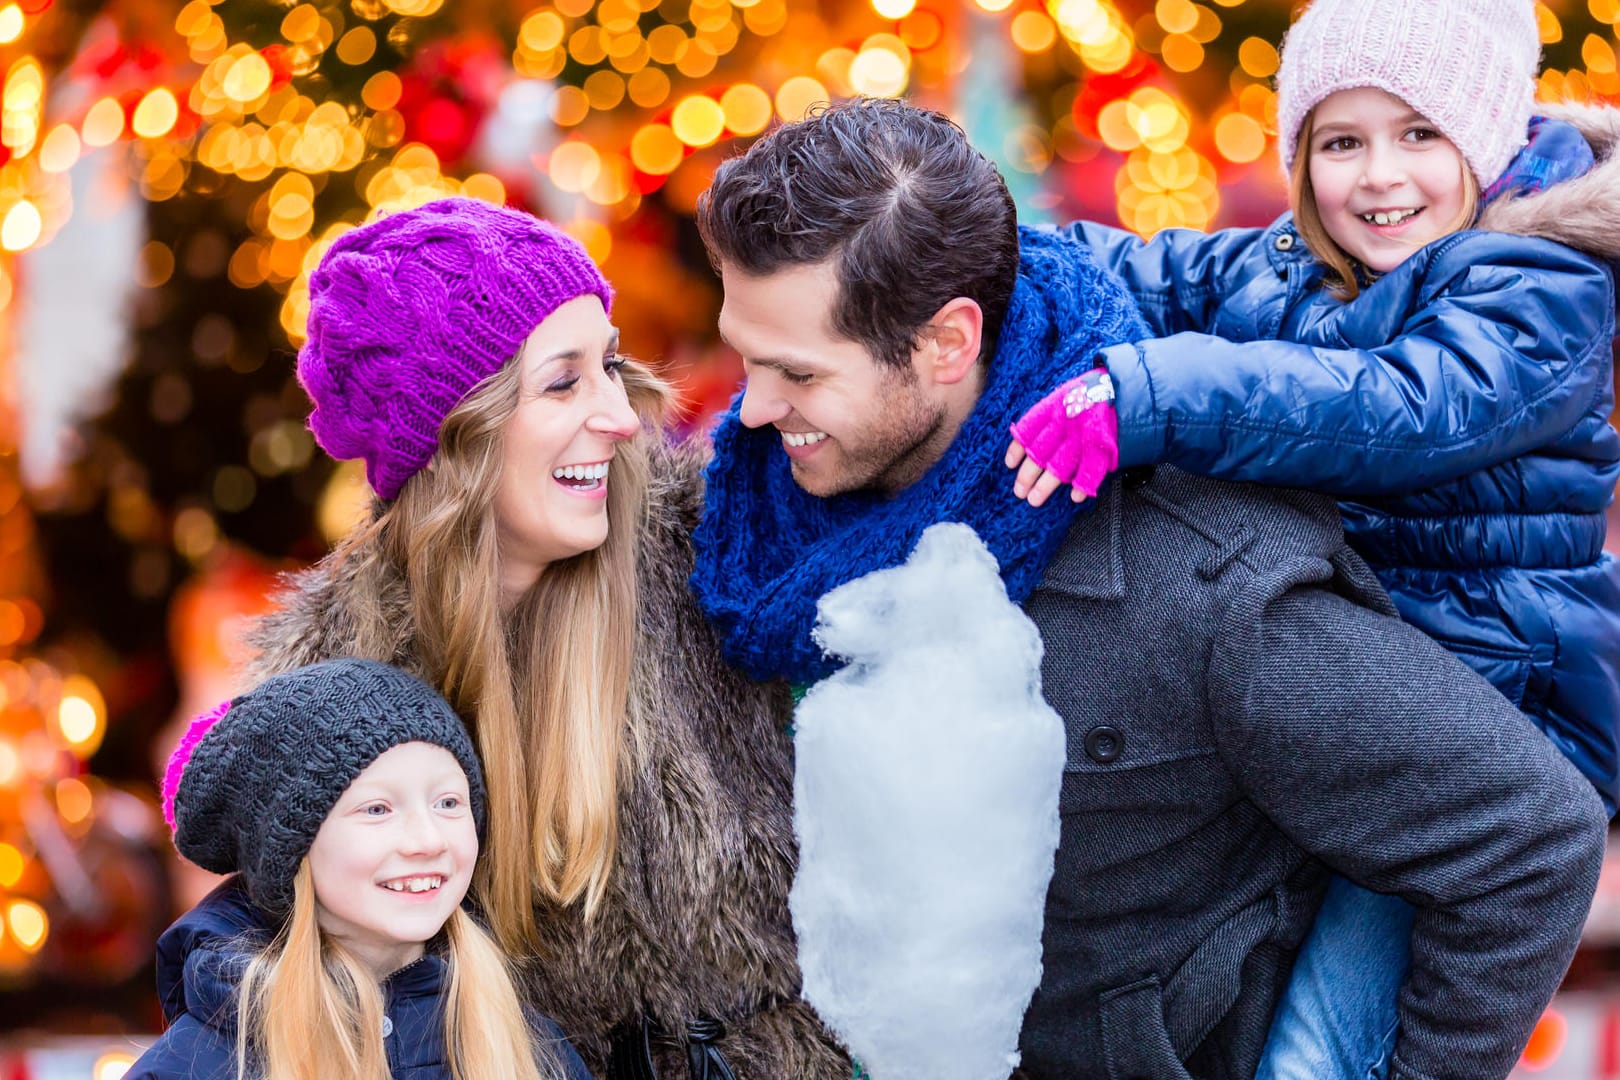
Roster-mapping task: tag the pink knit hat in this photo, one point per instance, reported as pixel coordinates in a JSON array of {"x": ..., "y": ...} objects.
[
  {"x": 410, "y": 312},
  {"x": 1468, "y": 66}
]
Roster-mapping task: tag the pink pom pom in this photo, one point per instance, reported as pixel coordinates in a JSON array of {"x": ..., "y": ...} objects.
[{"x": 181, "y": 757}]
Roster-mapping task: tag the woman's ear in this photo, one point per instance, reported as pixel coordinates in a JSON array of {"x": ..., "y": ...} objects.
[{"x": 951, "y": 341}]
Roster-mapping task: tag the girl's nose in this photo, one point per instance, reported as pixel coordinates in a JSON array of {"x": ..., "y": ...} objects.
[
  {"x": 1382, "y": 168},
  {"x": 421, "y": 834}
]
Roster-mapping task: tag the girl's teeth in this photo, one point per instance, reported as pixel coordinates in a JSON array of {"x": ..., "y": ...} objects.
[
  {"x": 794, "y": 438},
  {"x": 415, "y": 884},
  {"x": 1394, "y": 217}
]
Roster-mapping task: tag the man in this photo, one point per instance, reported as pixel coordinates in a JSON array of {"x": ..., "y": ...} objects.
[{"x": 1244, "y": 711}]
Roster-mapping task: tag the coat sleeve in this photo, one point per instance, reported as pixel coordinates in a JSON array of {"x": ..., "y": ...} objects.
[
  {"x": 1382, "y": 755},
  {"x": 1503, "y": 358},
  {"x": 1178, "y": 278}
]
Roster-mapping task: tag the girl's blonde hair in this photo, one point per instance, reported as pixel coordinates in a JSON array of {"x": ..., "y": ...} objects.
[
  {"x": 1342, "y": 279},
  {"x": 544, "y": 685},
  {"x": 309, "y": 1010}
]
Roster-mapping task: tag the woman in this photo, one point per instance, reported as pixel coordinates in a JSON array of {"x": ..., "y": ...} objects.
[{"x": 527, "y": 555}]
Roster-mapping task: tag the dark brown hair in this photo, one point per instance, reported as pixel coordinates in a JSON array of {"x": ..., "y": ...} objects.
[{"x": 913, "y": 215}]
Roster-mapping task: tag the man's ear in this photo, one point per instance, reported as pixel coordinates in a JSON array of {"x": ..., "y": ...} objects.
[{"x": 951, "y": 341}]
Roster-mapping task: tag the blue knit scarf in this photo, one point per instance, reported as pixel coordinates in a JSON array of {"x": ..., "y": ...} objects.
[{"x": 767, "y": 551}]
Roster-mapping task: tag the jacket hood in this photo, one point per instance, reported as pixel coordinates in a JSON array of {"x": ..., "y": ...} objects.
[
  {"x": 202, "y": 957},
  {"x": 1583, "y": 213}
]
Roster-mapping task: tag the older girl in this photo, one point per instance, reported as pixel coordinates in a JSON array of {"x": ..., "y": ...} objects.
[{"x": 1452, "y": 385}]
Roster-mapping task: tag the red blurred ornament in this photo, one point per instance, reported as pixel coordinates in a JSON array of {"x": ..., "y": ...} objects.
[
  {"x": 1098, "y": 90},
  {"x": 276, "y": 56},
  {"x": 447, "y": 91},
  {"x": 105, "y": 57}
]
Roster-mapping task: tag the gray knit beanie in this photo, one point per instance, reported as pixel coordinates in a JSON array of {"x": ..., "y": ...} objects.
[{"x": 250, "y": 782}]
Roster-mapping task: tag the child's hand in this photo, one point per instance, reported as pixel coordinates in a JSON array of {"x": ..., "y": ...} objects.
[
  {"x": 1034, "y": 483},
  {"x": 1071, "y": 436}
]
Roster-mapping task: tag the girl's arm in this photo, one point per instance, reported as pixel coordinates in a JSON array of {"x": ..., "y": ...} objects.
[
  {"x": 1505, "y": 357},
  {"x": 1179, "y": 277}
]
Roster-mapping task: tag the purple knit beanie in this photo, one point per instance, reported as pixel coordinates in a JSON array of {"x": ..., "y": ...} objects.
[
  {"x": 408, "y": 313},
  {"x": 1468, "y": 66}
]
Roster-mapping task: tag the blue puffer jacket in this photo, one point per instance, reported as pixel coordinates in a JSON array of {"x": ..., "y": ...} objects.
[
  {"x": 201, "y": 959},
  {"x": 1459, "y": 407}
]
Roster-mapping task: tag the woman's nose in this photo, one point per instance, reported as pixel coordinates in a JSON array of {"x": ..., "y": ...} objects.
[{"x": 614, "y": 418}]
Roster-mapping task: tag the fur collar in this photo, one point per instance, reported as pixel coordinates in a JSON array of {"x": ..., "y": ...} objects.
[{"x": 1583, "y": 213}]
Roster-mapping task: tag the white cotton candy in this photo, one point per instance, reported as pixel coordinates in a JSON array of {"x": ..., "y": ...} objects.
[{"x": 925, "y": 801}]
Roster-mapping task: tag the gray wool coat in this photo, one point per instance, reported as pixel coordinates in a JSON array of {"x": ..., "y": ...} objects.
[
  {"x": 1245, "y": 713},
  {"x": 695, "y": 922}
]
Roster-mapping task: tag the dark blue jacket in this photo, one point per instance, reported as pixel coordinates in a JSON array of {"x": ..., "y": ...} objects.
[
  {"x": 1459, "y": 408},
  {"x": 202, "y": 957}
]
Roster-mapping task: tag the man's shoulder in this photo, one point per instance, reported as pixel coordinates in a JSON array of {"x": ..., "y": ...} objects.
[
  {"x": 1164, "y": 515},
  {"x": 1271, "y": 522}
]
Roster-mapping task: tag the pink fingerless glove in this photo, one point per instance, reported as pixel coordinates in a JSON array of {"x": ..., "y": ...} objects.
[{"x": 1073, "y": 432}]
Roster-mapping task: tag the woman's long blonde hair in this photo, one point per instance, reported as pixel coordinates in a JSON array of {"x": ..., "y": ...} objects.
[
  {"x": 1343, "y": 281},
  {"x": 309, "y": 1010},
  {"x": 545, "y": 686}
]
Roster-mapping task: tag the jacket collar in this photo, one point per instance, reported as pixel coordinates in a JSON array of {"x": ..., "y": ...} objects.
[{"x": 1284, "y": 246}]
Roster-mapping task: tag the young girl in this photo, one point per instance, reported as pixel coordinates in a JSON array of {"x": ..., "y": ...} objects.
[
  {"x": 1452, "y": 386},
  {"x": 346, "y": 798}
]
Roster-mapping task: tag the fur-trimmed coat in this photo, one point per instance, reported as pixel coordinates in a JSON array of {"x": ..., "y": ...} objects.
[
  {"x": 1459, "y": 408},
  {"x": 695, "y": 921}
]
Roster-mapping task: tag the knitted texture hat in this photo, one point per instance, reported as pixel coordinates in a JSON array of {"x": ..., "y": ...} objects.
[
  {"x": 250, "y": 783},
  {"x": 408, "y": 313},
  {"x": 1468, "y": 66}
]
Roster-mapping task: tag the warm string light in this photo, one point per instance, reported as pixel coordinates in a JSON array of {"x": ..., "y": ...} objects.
[
  {"x": 251, "y": 122},
  {"x": 50, "y": 725}
]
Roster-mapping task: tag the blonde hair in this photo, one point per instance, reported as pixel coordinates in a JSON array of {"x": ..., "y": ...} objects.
[
  {"x": 545, "y": 685},
  {"x": 308, "y": 1009},
  {"x": 1341, "y": 266}
]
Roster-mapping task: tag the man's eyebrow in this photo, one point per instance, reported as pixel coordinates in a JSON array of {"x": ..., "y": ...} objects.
[{"x": 777, "y": 363}]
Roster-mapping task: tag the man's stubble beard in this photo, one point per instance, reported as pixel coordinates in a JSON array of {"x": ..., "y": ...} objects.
[{"x": 915, "y": 435}]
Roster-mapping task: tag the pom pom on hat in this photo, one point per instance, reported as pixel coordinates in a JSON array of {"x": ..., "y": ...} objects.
[{"x": 181, "y": 757}]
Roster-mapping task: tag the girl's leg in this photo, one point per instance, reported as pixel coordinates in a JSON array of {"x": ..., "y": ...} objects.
[{"x": 1336, "y": 1020}]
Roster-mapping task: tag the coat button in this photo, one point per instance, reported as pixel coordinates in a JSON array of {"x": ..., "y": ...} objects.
[
  {"x": 1285, "y": 241},
  {"x": 388, "y": 1027},
  {"x": 1104, "y": 744}
]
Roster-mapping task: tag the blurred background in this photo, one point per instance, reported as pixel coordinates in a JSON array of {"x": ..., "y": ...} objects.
[{"x": 170, "y": 173}]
